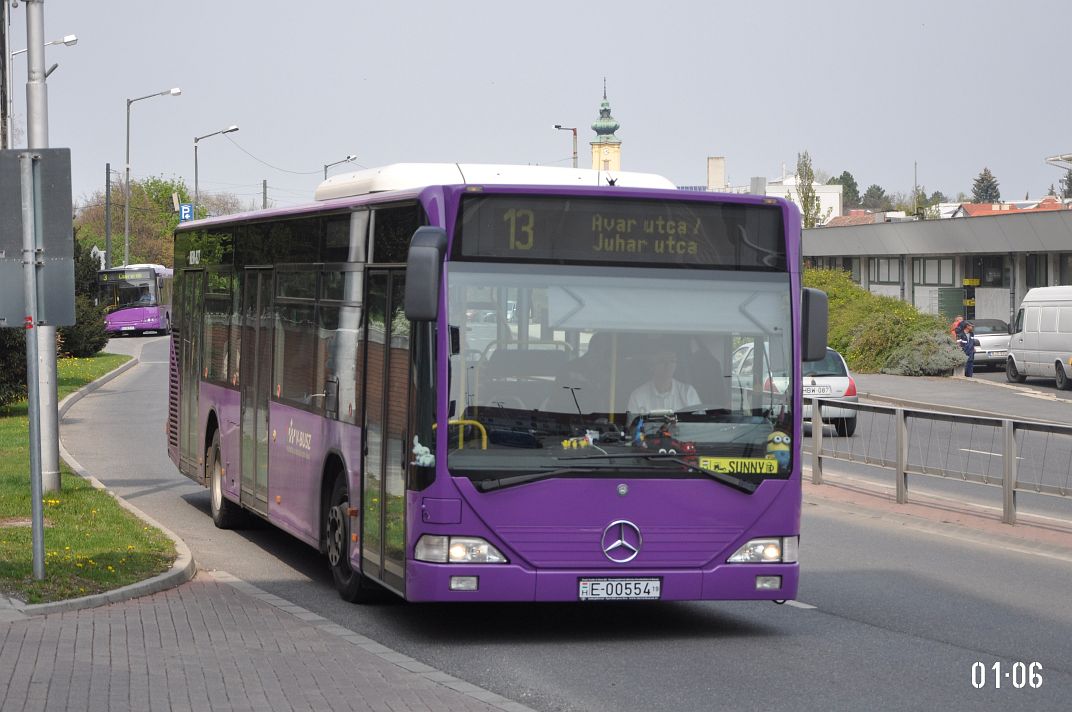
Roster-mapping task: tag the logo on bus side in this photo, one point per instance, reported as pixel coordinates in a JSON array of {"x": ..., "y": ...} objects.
[{"x": 299, "y": 442}]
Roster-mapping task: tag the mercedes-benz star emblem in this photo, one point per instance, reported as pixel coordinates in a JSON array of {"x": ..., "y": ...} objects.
[{"x": 621, "y": 541}]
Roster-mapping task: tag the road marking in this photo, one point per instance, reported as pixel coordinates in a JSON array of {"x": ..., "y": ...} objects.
[
  {"x": 984, "y": 452},
  {"x": 798, "y": 604}
]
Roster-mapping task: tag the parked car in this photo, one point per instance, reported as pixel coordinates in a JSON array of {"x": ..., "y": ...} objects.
[
  {"x": 993, "y": 338},
  {"x": 828, "y": 378}
]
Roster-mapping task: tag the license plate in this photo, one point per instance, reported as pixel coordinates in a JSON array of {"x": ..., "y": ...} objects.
[
  {"x": 126, "y": 328},
  {"x": 620, "y": 589},
  {"x": 817, "y": 390},
  {"x": 996, "y": 353}
]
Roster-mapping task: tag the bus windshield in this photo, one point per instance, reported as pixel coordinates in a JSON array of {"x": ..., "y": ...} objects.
[
  {"x": 580, "y": 370},
  {"x": 124, "y": 294}
]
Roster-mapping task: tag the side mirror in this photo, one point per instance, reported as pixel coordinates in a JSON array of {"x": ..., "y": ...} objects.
[
  {"x": 423, "y": 267},
  {"x": 813, "y": 318}
]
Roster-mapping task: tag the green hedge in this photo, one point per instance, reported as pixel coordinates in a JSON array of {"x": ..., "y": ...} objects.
[{"x": 883, "y": 334}]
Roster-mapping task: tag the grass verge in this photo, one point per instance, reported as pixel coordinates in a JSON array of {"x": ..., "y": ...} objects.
[{"x": 91, "y": 543}]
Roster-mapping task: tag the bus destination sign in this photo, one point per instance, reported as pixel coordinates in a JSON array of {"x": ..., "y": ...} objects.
[
  {"x": 570, "y": 229},
  {"x": 128, "y": 276}
]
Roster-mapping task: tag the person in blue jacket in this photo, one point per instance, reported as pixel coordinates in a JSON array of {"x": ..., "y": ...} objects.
[{"x": 966, "y": 340}]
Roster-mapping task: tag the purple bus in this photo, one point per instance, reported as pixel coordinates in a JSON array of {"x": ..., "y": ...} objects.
[
  {"x": 137, "y": 297},
  {"x": 493, "y": 383}
]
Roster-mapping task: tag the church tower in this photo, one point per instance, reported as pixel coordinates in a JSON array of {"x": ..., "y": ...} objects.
[{"x": 607, "y": 148}]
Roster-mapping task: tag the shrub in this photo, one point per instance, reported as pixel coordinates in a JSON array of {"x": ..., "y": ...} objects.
[
  {"x": 12, "y": 365},
  {"x": 869, "y": 329},
  {"x": 925, "y": 354},
  {"x": 88, "y": 335}
]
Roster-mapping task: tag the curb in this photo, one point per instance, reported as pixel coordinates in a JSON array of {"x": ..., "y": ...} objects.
[
  {"x": 181, "y": 571},
  {"x": 936, "y": 510}
]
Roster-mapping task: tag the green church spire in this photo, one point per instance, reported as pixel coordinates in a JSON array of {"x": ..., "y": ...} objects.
[{"x": 605, "y": 125}]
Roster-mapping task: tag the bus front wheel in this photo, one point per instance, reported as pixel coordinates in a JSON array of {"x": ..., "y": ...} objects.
[
  {"x": 225, "y": 513},
  {"x": 352, "y": 585}
]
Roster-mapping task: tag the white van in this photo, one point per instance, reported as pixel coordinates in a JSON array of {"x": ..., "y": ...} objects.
[{"x": 1041, "y": 341}]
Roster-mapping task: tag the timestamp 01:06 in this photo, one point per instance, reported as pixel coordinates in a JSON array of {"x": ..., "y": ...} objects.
[{"x": 1018, "y": 675}]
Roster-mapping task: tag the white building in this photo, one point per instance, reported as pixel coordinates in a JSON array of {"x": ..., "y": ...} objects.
[{"x": 830, "y": 200}]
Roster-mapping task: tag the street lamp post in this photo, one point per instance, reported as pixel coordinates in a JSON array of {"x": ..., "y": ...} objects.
[
  {"x": 67, "y": 40},
  {"x": 329, "y": 165},
  {"x": 560, "y": 127},
  {"x": 126, "y": 189},
  {"x": 229, "y": 129}
]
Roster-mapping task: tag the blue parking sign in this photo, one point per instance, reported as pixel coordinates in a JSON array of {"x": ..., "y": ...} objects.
[{"x": 186, "y": 212}]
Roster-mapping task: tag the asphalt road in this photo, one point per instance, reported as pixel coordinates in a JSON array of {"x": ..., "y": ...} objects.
[{"x": 901, "y": 612}]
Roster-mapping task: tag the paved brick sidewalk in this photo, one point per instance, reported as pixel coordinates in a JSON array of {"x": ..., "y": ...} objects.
[{"x": 215, "y": 643}]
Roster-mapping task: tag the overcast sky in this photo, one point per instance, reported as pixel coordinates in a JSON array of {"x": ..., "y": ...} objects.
[{"x": 866, "y": 87}]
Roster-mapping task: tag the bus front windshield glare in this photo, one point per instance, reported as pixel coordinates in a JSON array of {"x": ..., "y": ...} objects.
[
  {"x": 125, "y": 295},
  {"x": 577, "y": 371}
]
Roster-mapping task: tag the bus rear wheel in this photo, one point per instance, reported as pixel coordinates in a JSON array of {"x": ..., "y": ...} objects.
[
  {"x": 225, "y": 513},
  {"x": 352, "y": 585}
]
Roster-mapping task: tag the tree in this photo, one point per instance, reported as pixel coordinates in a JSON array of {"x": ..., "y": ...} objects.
[
  {"x": 87, "y": 335},
  {"x": 875, "y": 199},
  {"x": 985, "y": 188},
  {"x": 1053, "y": 192},
  {"x": 1066, "y": 184},
  {"x": 850, "y": 191},
  {"x": 12, "y": 365},
  {"x": 810, "y": 206},
  {"x": 152, "y": 220},
  {"x": 937, "y": 197}
]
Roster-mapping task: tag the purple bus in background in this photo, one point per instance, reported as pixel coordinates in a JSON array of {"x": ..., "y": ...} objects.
[
  {"x": 137, "y": 298},
  {"x": 503, "y": 383}
]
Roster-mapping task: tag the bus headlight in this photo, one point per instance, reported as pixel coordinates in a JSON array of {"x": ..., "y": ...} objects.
[
  {"x": 770, "y": 550},
  {"x": 457, "y": 550}
]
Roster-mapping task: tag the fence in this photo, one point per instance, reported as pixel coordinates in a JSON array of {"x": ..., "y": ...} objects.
[{"x": 1016, "y": 455}]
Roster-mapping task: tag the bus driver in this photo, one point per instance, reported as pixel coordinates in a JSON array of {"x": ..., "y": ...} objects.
[{"x": 663, "y": 391}]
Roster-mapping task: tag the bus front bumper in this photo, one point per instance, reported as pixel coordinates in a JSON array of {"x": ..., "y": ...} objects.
[{"x": 508, "y": 582}]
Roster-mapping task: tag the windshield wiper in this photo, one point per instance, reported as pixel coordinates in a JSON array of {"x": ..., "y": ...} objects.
[
  {"x": 721, "y": 477},
  {"x": 494, "y": 484}
]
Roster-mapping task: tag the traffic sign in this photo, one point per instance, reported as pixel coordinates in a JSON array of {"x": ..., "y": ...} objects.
[{"x": 186, "y": 212}]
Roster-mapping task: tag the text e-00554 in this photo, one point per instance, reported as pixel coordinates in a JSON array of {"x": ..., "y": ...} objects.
[{"x": 1017, "y": 675}]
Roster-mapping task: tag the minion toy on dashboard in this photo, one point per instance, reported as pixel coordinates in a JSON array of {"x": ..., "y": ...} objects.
[{"x": 778, "y": 448}]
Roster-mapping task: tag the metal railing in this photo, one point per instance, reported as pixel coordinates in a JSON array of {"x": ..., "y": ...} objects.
[{"x": 1016, "y": 455}]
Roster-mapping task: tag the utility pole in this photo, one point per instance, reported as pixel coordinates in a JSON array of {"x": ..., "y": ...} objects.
[
  {"x": 5, "y": 72},
  {"x": 264, "y": 194},
  {"x": 107, "y": 215},
  {"x": 37, "y": 137}
]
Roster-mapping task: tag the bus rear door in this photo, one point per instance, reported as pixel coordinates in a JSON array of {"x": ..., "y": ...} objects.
[{"x": 255, "y": 377}]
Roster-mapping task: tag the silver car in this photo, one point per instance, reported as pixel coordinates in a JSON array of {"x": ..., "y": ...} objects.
[
  {"x": 828, "y": 379},
  {"x": 993, "y": 338}
]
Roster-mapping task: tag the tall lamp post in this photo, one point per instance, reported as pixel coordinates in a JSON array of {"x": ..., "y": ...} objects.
[
  {"x": 126, "y": 189},
  {"x": 229, "y": 129},
  {"x": 560, "y": 127},
  {"x": 9, "y": 116},
  {"x": 329, "y": 165}
]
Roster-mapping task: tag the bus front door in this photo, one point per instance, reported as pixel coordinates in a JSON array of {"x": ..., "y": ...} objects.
[
  {"x": 387, "y": 428},
  {"x": 255, "y": 377}
]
